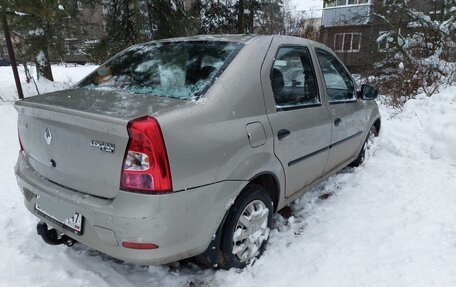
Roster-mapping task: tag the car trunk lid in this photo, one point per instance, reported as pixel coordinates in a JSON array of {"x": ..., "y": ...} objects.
[{"x": 77, "y": 138}]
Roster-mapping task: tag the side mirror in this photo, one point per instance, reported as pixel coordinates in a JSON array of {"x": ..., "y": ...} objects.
[{"x": 368, "y": 92}]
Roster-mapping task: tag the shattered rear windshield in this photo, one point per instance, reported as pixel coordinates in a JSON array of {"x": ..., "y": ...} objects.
[{"x": 181, "y": 70}]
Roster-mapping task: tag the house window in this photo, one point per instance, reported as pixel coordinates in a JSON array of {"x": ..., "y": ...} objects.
[
  {"x": 347, "y": 42},
  {"x": 333, "y": 3},
  {"x": 390, "y": 2}
]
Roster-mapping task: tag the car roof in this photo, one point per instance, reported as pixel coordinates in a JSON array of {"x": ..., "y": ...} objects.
[{"x": 239, "y": 38}]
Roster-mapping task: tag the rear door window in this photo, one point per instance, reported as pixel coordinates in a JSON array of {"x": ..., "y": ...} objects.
[{"x": 293, "y": 79}]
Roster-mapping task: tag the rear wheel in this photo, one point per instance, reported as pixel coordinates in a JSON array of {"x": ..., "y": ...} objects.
[
  {"x": 373, "y": 132},
  {"x": 246, "y": 230}
]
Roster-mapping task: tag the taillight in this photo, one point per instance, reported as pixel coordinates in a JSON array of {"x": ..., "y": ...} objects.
[
  {"x": 146, "y": 166},
  {"x": 20, "y": 142}
]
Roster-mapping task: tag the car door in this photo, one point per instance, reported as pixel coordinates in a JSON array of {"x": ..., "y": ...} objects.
[
  {"x": 345, "y": 110},
  {"x": 301, "y": 124}
]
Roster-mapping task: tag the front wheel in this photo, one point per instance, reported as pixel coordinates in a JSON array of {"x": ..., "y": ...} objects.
[
  {"x": 373, "y": 132},
  {"x": 246, "y": 230}
]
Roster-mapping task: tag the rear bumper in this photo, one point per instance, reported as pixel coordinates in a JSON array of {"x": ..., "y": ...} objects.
[{"x": 182, "y": 224}]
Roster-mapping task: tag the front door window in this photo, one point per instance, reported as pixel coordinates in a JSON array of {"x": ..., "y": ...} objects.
[{"x": 339, "y": 85}]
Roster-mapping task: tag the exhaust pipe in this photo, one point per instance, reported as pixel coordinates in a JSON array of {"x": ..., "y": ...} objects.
[{"x": 50, "y": 236}]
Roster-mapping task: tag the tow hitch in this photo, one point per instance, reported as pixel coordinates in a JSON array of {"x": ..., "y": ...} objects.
[{"x": 51, "y": 236}]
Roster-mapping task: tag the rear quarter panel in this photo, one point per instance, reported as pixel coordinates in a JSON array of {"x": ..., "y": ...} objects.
[{"x": 207, "y": 140}]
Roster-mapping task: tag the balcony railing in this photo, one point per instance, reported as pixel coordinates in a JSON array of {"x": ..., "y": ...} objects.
[{"x": 349, "y": 12}]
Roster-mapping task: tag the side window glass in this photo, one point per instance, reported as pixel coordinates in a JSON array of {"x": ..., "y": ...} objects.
[
  {"x": 338, "y": 83},
  {"x": 293, "y": 78}
]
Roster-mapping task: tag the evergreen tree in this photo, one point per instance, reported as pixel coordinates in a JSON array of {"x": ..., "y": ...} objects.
[
  {"x": 121, "y": 29},
  {"x": 130, "y": 22},
  {"x": 242, "y": 16},
  {"x": 270, "y": 17},
  {"x": 216, "y": 17},
  {"x": 168, "y": 18}
]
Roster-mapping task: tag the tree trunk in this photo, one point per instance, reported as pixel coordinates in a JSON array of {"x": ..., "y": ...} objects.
[
  {"x": 43, "y": 65},
  {"x": 251, "y": 15},
  {"x": 150, "y": 20},
  {"x": 240, "y": 23},
  {"x": 28, "y": 76}
]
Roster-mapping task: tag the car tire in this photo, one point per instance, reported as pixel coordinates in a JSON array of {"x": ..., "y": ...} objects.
[
  {"x": 246, "y": 229},
  {"x": 373, "y": 132}
]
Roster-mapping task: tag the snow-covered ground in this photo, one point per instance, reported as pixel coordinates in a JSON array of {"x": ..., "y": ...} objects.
[
  {"x": 65, "y": 76},
  {"x": 390, "y": 222}
]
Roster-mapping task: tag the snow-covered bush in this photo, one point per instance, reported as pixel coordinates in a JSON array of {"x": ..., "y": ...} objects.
[{"x": 419, "y": 50}]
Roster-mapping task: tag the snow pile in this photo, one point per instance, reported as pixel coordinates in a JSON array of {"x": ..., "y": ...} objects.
[
  {"x": 437, "y": 119},
  {"x": 390, "y": 222}
]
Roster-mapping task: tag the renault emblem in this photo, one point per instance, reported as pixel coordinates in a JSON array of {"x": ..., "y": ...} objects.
[{"x": 48, "y": 135}]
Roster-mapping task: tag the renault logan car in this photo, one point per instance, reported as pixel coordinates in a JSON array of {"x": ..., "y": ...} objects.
[{"x": 186, "y": 147}]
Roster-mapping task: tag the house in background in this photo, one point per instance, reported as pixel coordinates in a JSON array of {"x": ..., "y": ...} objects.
[
  {"x": 310, "y": 28},
  {"x": 92, "y": 18},
  {"x": 351, "y": 29}
]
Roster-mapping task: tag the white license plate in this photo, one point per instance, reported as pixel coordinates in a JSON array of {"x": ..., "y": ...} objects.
[{"x": 72, "y": 223}]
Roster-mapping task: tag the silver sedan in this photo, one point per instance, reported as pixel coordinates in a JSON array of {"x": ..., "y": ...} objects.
[{"x": 186, "y": 147}]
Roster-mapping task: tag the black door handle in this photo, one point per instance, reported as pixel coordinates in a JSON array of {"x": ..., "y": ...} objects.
[
  {"x": 283, "y": 133},
  {"x": 337, "y": 122}
]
